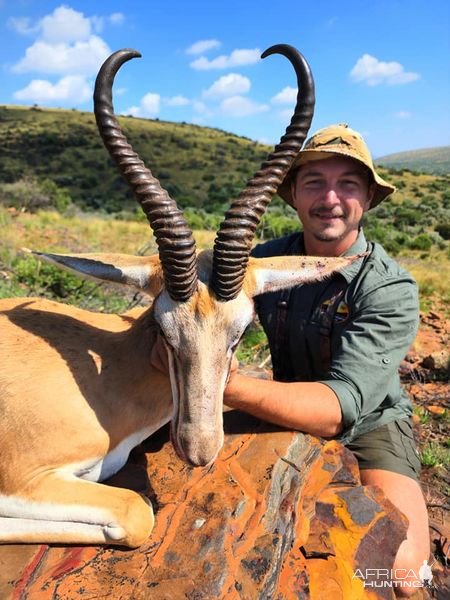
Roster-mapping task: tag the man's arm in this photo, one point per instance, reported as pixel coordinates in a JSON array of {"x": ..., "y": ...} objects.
[
  {"x": 309, "y": 407},
  {"x": 371, "y": 350}
]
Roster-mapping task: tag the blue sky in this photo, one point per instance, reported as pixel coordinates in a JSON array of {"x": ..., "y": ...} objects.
[{"x": 381, "y": 66}]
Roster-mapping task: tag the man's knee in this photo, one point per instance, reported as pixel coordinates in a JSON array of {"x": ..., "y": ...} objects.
[{"x": 410, "y": 558}]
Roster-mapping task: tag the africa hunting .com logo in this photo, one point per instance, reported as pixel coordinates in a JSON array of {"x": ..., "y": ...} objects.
[{"x": 396, "y": 578}]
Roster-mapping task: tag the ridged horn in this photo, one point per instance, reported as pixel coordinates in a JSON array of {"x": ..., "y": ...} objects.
[
  {"x": 234, "y": 239},
  {"x": 173, "y": 235}
]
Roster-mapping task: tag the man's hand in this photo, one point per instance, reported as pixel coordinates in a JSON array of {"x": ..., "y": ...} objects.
[{"x": 158, "y": 356}]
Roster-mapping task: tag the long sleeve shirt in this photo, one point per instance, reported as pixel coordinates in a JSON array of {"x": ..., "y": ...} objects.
[{"x": 371, "y": 327}]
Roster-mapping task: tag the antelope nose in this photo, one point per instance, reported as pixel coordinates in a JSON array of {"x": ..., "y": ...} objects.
[{"x": 199, "y": 448}]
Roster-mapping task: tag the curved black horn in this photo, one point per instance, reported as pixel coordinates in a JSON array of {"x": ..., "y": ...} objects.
[
  {"x": 234, "y": 238},
  {"x": 173, "y": 236}
]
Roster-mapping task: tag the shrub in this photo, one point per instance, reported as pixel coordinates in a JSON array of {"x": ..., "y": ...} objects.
[
  {"x": 35, "y": 278},
  {"x": 32, "y": 195},
  {"x": 276, "y": 225},
  {"x": 406, "y": 217},
  {"x": 422, "y": 242},
  {"x": 443, "y": 230}
]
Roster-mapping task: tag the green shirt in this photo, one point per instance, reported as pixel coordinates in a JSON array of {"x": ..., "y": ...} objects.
[{"x": 372, "y": 328}]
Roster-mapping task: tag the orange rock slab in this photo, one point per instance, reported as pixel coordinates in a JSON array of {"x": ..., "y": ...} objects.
[{"x": 279, "y": 515}]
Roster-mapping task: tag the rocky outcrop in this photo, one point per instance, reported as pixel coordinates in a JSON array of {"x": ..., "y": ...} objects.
[{"x": 279, "y": 515}]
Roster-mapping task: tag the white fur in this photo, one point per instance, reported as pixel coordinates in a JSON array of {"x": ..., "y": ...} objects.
[{"x": 99, "y": 469}]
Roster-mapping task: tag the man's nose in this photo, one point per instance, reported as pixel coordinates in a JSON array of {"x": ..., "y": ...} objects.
[{"x": 331, "y": 196}]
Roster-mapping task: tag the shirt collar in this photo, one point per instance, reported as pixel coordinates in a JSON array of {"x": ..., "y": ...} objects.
[{"x": 358, "y": 247}]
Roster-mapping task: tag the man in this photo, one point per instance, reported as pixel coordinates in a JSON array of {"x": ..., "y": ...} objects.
[{"x": 336, "y": 345}]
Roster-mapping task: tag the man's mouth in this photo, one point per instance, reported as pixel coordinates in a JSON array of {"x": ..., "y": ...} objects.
[{"x": 328, "y": 216}]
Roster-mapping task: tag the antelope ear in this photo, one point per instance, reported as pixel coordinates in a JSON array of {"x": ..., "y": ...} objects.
[
  {"x": 141, "y": 272},
  {"x": 280, "y": 272}
]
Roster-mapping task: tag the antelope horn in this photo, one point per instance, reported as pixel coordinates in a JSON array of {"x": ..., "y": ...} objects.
[
  {"x": 233, "y": 241},
  {"x": 173, "y": 235}
]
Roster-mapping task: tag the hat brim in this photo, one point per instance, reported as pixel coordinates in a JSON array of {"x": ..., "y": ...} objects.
[{"x": 382, "y": 189}]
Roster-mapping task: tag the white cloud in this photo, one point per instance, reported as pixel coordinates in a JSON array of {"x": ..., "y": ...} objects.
[
  {"x": 288, "y": 95},
  {"x": 135, "y": 111},
  {"x": 235, "y": 59},
  {"x": 238, "y": 106},
  {"x": 177, "y": 101},
  {"x": 66, "y": 42},
  {"x": 203, "y": 46},
  {"x": 22, "y": 25},
  {"x": 73, "y": 89},
  {"x": 149, "y": 106},
  {"x": 372, "y": 71},
  {"x": 98, "y": 23},
  {"x": 228, "y": 85},
  {"x": 83, "y": 57},
  {"x": 403, "y": 114},
  {"x": 116, "y": 18},
  {"x": 200, "y": 107},
  {"x": 65, "y": 25}
]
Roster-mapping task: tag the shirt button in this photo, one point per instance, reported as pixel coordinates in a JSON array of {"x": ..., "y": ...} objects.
[{"x": 386, "y": 361}]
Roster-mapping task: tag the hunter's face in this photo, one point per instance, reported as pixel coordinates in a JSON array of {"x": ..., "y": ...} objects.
[{"x": 331, "y": 197}]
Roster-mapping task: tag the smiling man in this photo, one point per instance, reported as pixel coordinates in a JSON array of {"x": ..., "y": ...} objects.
[{"x": 336, "y": 345}]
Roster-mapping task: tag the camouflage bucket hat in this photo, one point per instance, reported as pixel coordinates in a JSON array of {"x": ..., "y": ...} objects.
[{"x": 336, "y": 140}]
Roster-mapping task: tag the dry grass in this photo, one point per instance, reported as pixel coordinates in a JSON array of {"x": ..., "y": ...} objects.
[
  {"x": 432, "y": 273},
  {"x": 51, "y": 231}
]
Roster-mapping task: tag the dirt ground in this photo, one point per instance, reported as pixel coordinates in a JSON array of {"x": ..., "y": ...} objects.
[{"x": 425, "y": 374}]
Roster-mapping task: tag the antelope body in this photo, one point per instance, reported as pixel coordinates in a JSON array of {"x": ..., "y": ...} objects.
[{"x": 78, "y": 390}]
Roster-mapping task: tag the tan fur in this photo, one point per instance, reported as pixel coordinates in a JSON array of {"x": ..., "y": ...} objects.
[{"x": 78, "y": 391}]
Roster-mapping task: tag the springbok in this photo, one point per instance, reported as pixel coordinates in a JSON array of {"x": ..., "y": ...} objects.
[{"x": 77, "y": 389}]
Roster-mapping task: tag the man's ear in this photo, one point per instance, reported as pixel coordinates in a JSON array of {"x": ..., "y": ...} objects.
[
  {"x": 141, "y": 272},
  {"x": 293, "y": 185},
  {"x": 370, "y": 195},
  {"x": 282, "y": 272}
]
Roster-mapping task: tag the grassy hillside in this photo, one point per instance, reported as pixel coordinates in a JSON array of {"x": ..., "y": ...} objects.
[
  {"x": 427, "y": 160},
  {"x": 23, "y": 275},
  {"x": 199, "y": 166},
  {"x": 55, "y": 158}
]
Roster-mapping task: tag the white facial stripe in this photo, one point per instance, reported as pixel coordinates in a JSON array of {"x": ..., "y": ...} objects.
[{"x": 139, "y": 276}]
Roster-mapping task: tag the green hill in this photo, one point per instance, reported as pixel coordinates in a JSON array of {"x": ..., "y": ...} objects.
[
  {"x": 55, "y": 158},
  {"x": 427, "y": 160},
  {"x": 198, "y": 166}
]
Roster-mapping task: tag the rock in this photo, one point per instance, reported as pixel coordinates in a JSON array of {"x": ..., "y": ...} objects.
[
  {"x": 279, "y": 515},
  {"x": 412, "y": 357},
  {"x": 437, "y": 361},
  {"x": 436, "y": 410}
]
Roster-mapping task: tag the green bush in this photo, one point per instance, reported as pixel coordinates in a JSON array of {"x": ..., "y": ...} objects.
[
  {"x": 406, "y": 217},
  {"x": 32, "y": 277},
  {"x": 30, "y": 194},
  {"x": 422, "y": 242},
  {"x": 277, "y": 225},
  {"x": 443, "y": 230}
]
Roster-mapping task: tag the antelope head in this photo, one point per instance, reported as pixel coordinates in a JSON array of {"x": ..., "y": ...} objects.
[{"x": 203, "y": 301}]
